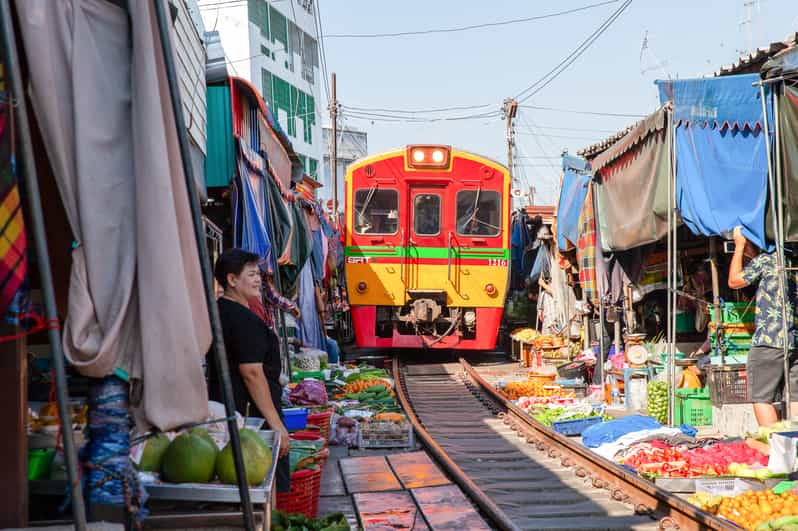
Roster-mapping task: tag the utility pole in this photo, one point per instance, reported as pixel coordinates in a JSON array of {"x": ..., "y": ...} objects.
[
  {"x": 510, "y": 109},
  {"x": 334, "y": 147}
]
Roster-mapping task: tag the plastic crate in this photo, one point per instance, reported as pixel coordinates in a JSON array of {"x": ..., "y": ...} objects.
[
  {"x": 295, "y": 418},
  {"x": 576, "y": 426},
  {"x": 322, "y": 421},
  {"x": 734, "y": 312},
  {"x": 298, "y": 376},
  {"x": 303, "y": 498},
  {"x": 378, "y": 434},
  {"x": 693, "y": 407},
  {"x": 39, "y": 463},
  {"x": 733, "y": 341},
  {"x": 728, "y": 384}
]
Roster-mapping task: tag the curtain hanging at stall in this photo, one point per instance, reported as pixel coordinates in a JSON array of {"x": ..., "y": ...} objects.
[
  {"x": 249, "y": 226},
  {"x": 632, "y": 191},
  {"x": 721, "y": 157},
  {"x": 309, "y": 324},
  {"x": 586, "y": 248},
  {"x": 572, "y": 198},
  {"x": 788, "y": 131},
  {"x": 111, "y": 138}
]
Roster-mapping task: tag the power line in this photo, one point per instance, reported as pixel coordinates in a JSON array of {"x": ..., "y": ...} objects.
[
  {"x": 573, "y": 111},
  {"x": 466, "y": 28},
  {"x": 418, "y": 119},
  {"x": 591, "y": 138},
  {"x": 555, "y": 72},
  {"x": 420, "y": 111},
  {"x": 322, "y": 49}
]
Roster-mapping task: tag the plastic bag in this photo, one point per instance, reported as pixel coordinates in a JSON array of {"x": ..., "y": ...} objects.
[
  {"x": 308, "y": 393},
  {"x": 345, "y": 432}
]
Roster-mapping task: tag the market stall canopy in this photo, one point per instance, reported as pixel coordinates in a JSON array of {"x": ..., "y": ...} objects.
[
  {"x": 785, "y": 63},
  {"x": 633, "y": 174},
  {"x": 137, "y": 307},
  {"x": 721, "y": 156},
  {"x": 572, "y": 197}
]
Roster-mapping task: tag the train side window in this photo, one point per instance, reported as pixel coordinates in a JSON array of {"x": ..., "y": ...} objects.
[
  {"x": 376, "y": 211},
  {"x": 479, "y": 213},
  {"x": 427, "y": 214}
]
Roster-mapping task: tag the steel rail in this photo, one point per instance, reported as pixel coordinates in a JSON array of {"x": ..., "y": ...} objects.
[
  {"x": 624, "y": 485},
  {"x": 482, "y": 500}
]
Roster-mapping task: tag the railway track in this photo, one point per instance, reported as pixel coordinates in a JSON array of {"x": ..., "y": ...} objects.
[{"x": 521, "y": 474}]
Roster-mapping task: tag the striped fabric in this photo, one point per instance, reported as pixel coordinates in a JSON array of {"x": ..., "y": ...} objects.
[{"x": 586, "y": 248}]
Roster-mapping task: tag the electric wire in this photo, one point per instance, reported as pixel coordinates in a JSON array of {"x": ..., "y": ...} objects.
[
  {"x": 469, "y": 27},
  {"x": 563, "y": 65}
]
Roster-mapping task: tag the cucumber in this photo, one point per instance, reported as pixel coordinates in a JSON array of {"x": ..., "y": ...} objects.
[{"x": 376, "y": 388}]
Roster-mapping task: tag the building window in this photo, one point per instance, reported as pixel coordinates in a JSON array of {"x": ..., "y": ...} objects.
[
  {"x": 279, "y": 27},
  {"x": 258, "y": 11},
  {"x": 313, "y": 168},
  {"x": 265, "y": 52}
]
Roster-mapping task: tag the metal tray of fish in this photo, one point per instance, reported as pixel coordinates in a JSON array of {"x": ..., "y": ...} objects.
[{"x": 218, "y": 492}]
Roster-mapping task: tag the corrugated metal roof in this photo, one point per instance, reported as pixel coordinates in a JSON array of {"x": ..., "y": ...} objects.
[
  {"x": 751, "y": 63},
  {"x": 545, "y": 212},
  {"x": 635, "y": 134},
  {"x": 599, "y": 147}
]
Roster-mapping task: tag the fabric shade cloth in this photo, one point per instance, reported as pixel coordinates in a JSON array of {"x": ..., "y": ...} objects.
[
  {"x": 101, "y": 97},
  {"x": 632, "y": 194},
  {"x": 572, "y": 197},
  {"x": 586, "y": 248},
  {"x": 250, "y": 229},
  {"x": 13, "y": 255},
  {"x": 788, "y": 132},
  {"x": 721, "y": 156}
]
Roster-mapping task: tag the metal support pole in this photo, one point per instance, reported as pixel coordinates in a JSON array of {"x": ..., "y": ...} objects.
[
  {"x": 716, "y": 317},
  {"x": 671, "y": 326},
  {"x": 210, "y": 297},
  {"x": 776, "y": 206},
  {"x": 334, "y": 145},
  {"x": 36, "y": 216}
]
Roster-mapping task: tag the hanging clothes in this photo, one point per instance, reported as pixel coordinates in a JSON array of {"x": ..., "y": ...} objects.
[
  {"x": 136, "y": 298},
  {"x": 586, "y": 248},
  {"x": 309, "y": 325},
  {"x": 13, "y": 252},
  {"x": 249, "y": 228}
]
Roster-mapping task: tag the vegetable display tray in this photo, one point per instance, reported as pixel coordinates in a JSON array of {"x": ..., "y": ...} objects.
[
  {"x": 576, "y": 426},
  {"x": 218, "y": 492}
]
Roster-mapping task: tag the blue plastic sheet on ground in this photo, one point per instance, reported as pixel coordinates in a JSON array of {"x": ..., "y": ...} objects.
[
  {"x": 721, "y": 156},
  {"x": 572, "y": 197},
  {"x": 612, "y": 430}
]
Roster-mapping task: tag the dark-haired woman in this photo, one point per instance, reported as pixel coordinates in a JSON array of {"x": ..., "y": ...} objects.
[{"x": 252, "y": 349}]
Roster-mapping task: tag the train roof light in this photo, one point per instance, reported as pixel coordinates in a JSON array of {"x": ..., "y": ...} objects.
[{"x": 428, "y": 157}]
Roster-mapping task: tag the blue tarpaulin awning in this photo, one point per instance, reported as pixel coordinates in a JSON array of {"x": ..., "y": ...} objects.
[
  {"x": 572, "y": 197},
  {"x": 721, "y": 155}
]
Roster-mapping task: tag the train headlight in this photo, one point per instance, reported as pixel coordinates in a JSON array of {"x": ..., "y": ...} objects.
[
  {"x": 470, "y": 318},
  {"x": 429, "y": 157},
  {"x": 362, "y": 287},
  {"x": 490, "y": 289}
]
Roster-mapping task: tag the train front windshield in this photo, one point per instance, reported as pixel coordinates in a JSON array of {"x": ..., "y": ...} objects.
[{"x": 478, "y": 213}]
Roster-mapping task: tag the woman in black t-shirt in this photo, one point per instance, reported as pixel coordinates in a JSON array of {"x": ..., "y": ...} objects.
[{"x": 253, "y": 349}]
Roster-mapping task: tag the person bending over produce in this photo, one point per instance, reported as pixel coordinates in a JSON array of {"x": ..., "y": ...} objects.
[
  {"x": 766, "y": 358},
  {"x": 252, "y": 348}
]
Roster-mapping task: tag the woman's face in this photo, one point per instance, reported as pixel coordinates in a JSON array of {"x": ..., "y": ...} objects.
[{"x": 247, "y": 284}]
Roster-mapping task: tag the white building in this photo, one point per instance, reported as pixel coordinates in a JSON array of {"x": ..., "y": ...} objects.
[
  {"x": 273, "y": 45},
  {"x": 352, "y": 145}
]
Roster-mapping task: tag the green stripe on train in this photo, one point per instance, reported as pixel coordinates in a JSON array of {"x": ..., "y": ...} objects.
[{"x": 427, "y": 252}]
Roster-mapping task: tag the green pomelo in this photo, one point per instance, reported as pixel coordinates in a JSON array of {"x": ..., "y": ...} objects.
[
  {"x": 202, "y": 432},
  {"x": 189, "y": 459},
  {"x": 257, "y": 460},
  {"x": 154, "y": 450},
  {"x": 247, "y": 433}
]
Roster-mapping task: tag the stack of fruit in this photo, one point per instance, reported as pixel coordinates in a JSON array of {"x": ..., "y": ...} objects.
[
  {"x": 517, "y": 389},
  {"x": 757, "y": 511},
  {"x": 658, "y": 401},
  {"x": 657, "y": 458}
]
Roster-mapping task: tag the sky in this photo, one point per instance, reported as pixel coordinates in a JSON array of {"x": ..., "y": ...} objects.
[{"x": 615, "y": 75}]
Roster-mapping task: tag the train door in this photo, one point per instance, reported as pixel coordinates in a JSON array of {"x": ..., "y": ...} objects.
[{"x": 425, "y": 235}]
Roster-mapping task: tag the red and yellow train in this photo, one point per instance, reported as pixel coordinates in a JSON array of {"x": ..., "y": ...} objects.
[{"x": 427, "y": 248}]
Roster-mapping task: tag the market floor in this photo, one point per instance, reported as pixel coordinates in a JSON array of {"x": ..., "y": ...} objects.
[{"x": 403, "y": 488}]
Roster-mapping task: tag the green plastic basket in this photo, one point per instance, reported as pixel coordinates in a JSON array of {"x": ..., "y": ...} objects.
[
  {"x": 39, "y": 462},
  {"x": 734, "y": 312},
  {"x": 693, "y": 407}
]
